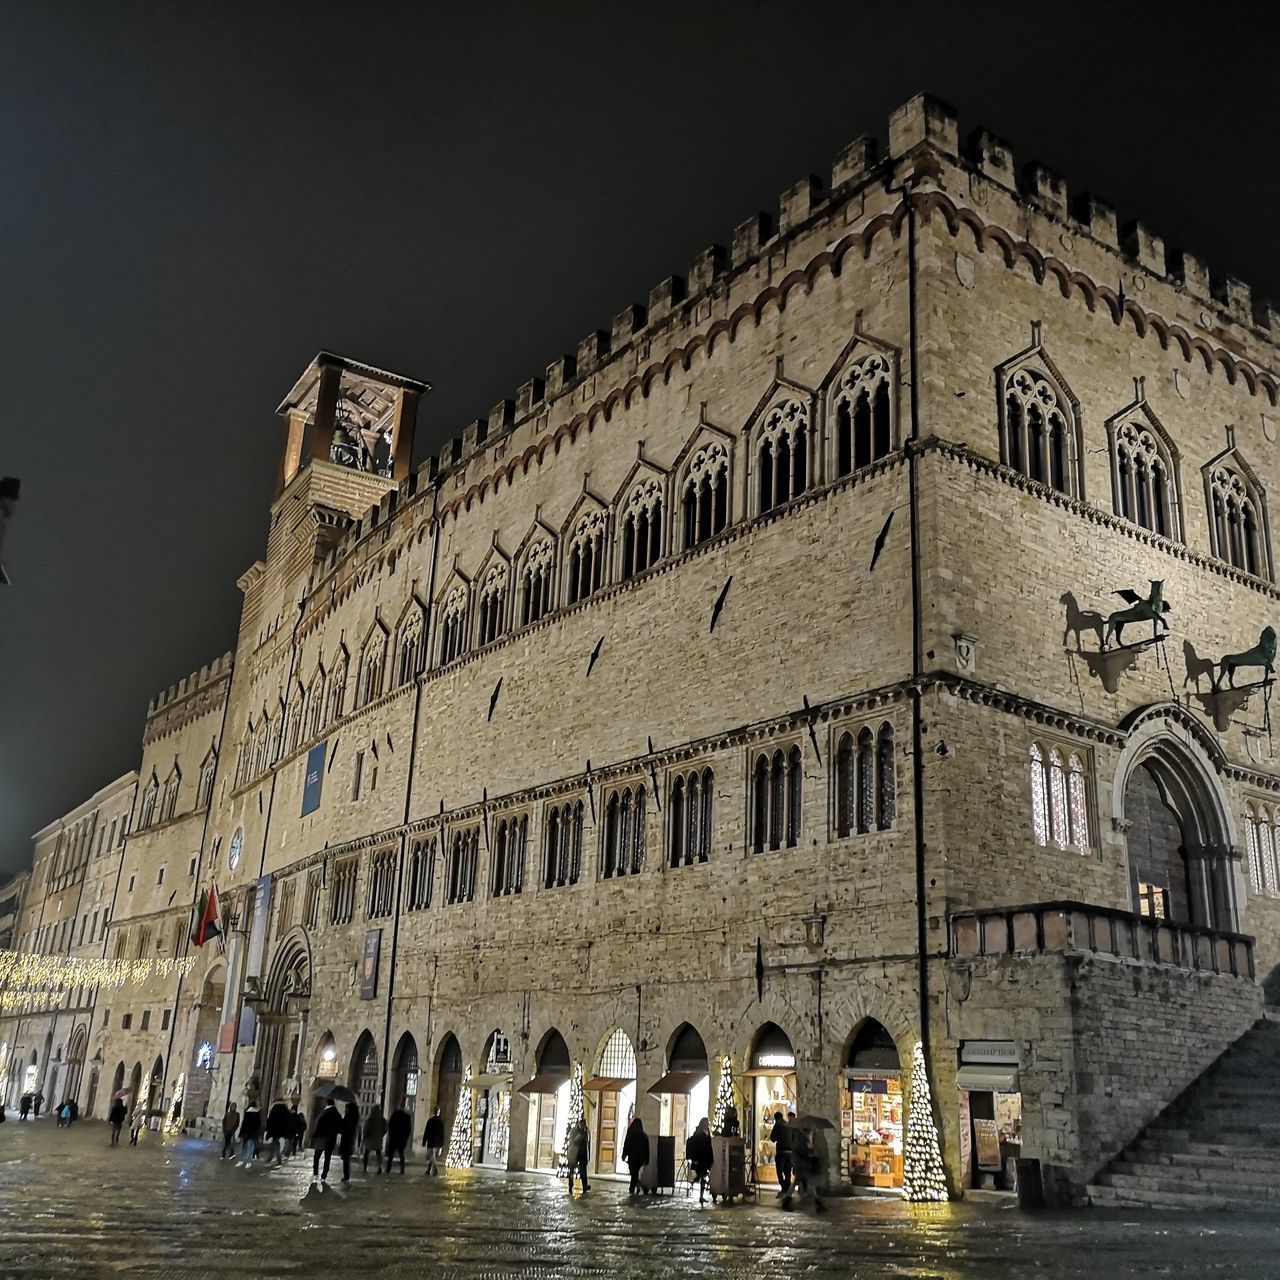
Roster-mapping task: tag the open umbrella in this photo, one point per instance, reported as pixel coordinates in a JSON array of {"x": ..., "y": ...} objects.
[
  {"x": 123, "y": 1093},
  {"x": 338, "y": 1092},
  {"x": 812, "y": 1122}
]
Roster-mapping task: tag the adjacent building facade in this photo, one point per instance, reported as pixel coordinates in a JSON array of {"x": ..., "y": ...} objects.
[{"x": 739, "y": 702}]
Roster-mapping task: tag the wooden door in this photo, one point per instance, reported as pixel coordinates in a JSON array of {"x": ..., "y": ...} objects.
[
  {"x": 607, "y": 1144},
  {"x": 679, "y": 1123},
  {"x": 447, "y": 1100},
  {"x": 547, "y": 1157}
]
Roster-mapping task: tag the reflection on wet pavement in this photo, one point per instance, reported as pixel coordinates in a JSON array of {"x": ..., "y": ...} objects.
[{"x": 76, "y": 1207}]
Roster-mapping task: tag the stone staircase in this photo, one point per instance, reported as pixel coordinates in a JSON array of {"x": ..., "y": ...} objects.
[{"x": 1217, "y": 1146}]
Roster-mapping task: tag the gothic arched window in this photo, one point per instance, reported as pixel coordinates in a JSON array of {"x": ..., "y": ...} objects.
[
  {"x": 464, "y": 854},
  {"x": 704, "y": 494},
  {"x": 692, "y": 808},
  {"x": 1059, "y": 798},
  {"x": 372, "y": 665},
  {"x": 314, "y": 714},
  {"x": 508, "y": 856},
  {"x": 1262, "y": 848},
  {"x": 563, "y": 862},
  {"x": 866, "y": 781},
  {"x": 422, "y": 873},
  {"x": 493, "y": 604},
  {"x": 1038, "y": 429},
  {"x": 624, "y": 833},
  {"x": 782, "y": 455},
  {"x": 336, "y": 693},
  {"x": 409, "y": 645},
  {"x": 204, "y": 791},
  {"x": 1144, "y": 478},
  {"x": 169, "y": 800},
  {"x": 863, "y": 419},
  {"x": 536, "y": 578},
  {"x": 641, "y": 528},
  {"x": 1238, "y": 525},
  {"x": 777, "y": 780},
  {"x": 586, "y": 556},
  {"x": 453, "y": 624},
  {"x": 147, "y": 809}
]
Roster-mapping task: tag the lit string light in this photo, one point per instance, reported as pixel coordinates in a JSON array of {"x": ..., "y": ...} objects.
[
  {"x": 20, "y": 971},
  {"x": 724, "y": 1093},
  {"x": 923, "y": 1177},
  {"x": 459, "y": 1156}
]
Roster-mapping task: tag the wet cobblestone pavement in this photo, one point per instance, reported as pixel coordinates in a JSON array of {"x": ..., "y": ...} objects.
[{"x": 73, "y": 1206}]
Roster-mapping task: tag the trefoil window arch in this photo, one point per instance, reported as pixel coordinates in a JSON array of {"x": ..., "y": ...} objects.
[
  {"x": 453, "y": 624},
  {"x": 372, "y": 666},
  {"x": 586, "y": 556},
  {"x": 1237, "y": 516},
  {"x": 1144, "y": 477},
  {"x": 204, "y": 791},
  {"x": 861, "y": 408},
  {"x": 704, "y": 494},
  {"x": 536, "y": 581},
  {"x": 169, "y": 800},
  {"x": 493, "y": 604},
  {"x": 642, "y": 528},
  {"x": 147, "y": 809},
  {"x": 336, "y": 693},
  {"x": 1039, "y": 427},
  {"x": 409, "y": 646},
  {"x": 782, "y": 454}
]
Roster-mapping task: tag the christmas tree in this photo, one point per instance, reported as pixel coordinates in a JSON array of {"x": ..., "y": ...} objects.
[
  {"x": 724, "y": 1093},
  {"x": 460, "y": 1139},
  {"x": 923, "y": 1179}
]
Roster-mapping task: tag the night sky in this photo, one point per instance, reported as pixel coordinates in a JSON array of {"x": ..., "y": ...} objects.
[{"x": 194, "y": 199}]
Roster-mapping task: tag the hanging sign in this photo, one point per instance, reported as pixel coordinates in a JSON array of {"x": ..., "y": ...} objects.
[
  {"x": 314, "y": 780},
  {"x": 369, "y": 966}
]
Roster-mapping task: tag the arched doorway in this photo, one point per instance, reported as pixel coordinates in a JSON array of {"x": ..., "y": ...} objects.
[
  {"x": 872, "y": 1092},
  {"x": 685, "y": 1090},
  {"x": 135, "y": 1087},
  {"x": 325, "y": 1071},
  {"x": 365, "y": 1078},
  {"x": 493, "y": 1102},
  {"x": 282, "y": 1023},
  {"x": 1176, "y": 819},
  {"x": 613, "y": 1082},
  {"x": 404, "y": 1083},
  {"x": 548, "y": 1093},
  {"x": 208, "y": 1009},
  {"x": 772, "y": 1072},
  {"x": 92, "y": 1096},
  {"x": 155, "y": 1088},
  {"x": 448, "y": 1083},
  {"x": 117, "y": 1081},
  {"x": 46, "y": 1058},
  {"x": 75, "y": 1062}
]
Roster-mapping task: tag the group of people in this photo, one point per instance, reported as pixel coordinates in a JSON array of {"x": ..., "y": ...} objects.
[
  {"x": 285, "y": 1130},
  {"x": 119, "y": 1113},
  {"x": 800, "y": 1158}
]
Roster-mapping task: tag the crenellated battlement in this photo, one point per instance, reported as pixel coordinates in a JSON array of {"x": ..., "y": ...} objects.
[
  {"x": 218, "y": 669},
  {"x": 922, "y": 123}
]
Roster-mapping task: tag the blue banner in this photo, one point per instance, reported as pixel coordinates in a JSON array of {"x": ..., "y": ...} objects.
[{"x": 315, "y": 779}]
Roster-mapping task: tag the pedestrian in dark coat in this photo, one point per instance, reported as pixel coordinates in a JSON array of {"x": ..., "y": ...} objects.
[
  {"x": 24, "y": 1106},
  {"x": 433, "y": 1140},
  {"x": 399, "y": 1131},
  {"x": 697, "y": 1151},
  {"x": 230, "y": 1123},
  {"x": 37, "y": 1102},
  {"x": 324, "y": 1137},
  {"x": 298, "y": 1134},
  {"x": 576, "y": 1153},
  {"x": 781, "y": 1137},
  {"x": 117, "y": 1116},
  {"x": 279, "y": 1129},
  {"x": 375, "y": 1129},
  {"x": 348, "y": 1134},
  {"x": 250, "y": 1128},
  {"x": 635, "y": 1152}
]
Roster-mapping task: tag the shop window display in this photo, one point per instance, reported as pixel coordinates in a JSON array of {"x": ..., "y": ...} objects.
[
  {"x": 772, "y": 1077},
  {"x": 871, "y": 1110}
]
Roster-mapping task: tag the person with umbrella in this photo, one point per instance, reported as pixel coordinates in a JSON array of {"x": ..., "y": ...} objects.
[
  {"x": 116, "y": 1117},
  {"x": 324, "y": 1138},
  {"x": 811, "y": 1161}
]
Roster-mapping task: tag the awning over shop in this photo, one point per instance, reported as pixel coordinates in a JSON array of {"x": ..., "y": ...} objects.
[
  {"x": 678, "y": 1082},
  {"x": 779, "y": 1072},
  {"x": 545, "y": 1082},
  {"x": 997, "y": 1079},
  {"x": 492, "y": 1080},
  {"x": 607, "y": 1084}
]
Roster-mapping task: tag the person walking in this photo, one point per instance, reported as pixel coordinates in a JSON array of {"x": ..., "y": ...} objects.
[
  {"x": 635, "y": 1153},
  {"x": 116, "y": 1117},
  {"x": 136, "y": 1121},
  {"x": 298, "y": 1135},
  {"x": 349, "y": 1132},
  {"x": 279, "y": 1130},
  {"x": 324, "y": 1137},
  {"x": 250, "y": 1128},
  {"x": 37, "y": 1102},
  {"x": 781, "y": 1137},
  {"x": 24, "y": 1106},
  {"x": 810, "y": 1157},
  {"x": 433, "y": 1140},
  {"x": 230, "y": 1123},
  {"x": 697, "y": 1151},
  {"x": 399, "y": 1131},
  {"x": 576, "y": 1152},
  {"x": 375, "y": 1130}
]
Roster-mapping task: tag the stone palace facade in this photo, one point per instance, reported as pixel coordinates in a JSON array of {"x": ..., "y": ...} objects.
[{"x": 737, "y": 700}]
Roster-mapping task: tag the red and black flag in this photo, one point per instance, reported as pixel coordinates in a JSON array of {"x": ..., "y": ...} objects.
[{"x": 208, "y": 918}]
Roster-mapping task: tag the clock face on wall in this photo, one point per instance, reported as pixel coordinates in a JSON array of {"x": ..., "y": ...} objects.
[{"x": 237, "y": 843}]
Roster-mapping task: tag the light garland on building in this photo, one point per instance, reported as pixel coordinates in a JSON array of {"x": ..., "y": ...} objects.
[
  {"x": 724, "y": 1093},
  {"x": 577, "y": 1100},
  {"x": 923, "y": 1178},
  {"x": 40, "y": 974},
  {"x": 459, "y": 1156},
  {"x": 10, "y": 1000}
]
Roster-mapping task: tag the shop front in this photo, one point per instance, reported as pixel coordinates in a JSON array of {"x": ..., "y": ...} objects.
[
  {"x": 771, "y": 1089},
  {"x": 613, "y": 1089},
  {"x": 990, "y": 1114},
  {"x": 549, "y": 1097},
  {"x": 492, "y": 1088},
  {"x": 871, "y": 1110},
  {"x": 685, "y": 1090}
]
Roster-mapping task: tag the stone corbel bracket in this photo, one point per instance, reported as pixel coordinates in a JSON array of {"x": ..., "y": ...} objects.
[
  {"x": 1221, "y": 704},
  {"x": 1108, "y": 665}
]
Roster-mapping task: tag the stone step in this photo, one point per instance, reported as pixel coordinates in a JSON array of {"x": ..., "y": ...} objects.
[
  {"x": 1114, "y": 1197},
  {"x": 1181, "y": 1177},
  {"x": 1147, "y": 1152}
]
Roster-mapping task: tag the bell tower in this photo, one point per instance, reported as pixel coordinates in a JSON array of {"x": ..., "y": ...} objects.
[{"x": 349, "y": 415}]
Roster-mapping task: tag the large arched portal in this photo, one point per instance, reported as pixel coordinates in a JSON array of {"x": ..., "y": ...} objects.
[
  {"x": 493, "y": 1101},
  {"x": 204, "y": 1049},
  {"x": 282, "y": 1022},
  {"x": 1182, "y": 866}
]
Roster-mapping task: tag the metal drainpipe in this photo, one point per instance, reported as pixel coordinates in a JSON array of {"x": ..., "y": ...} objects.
[{"x": 408, "y": 796}]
